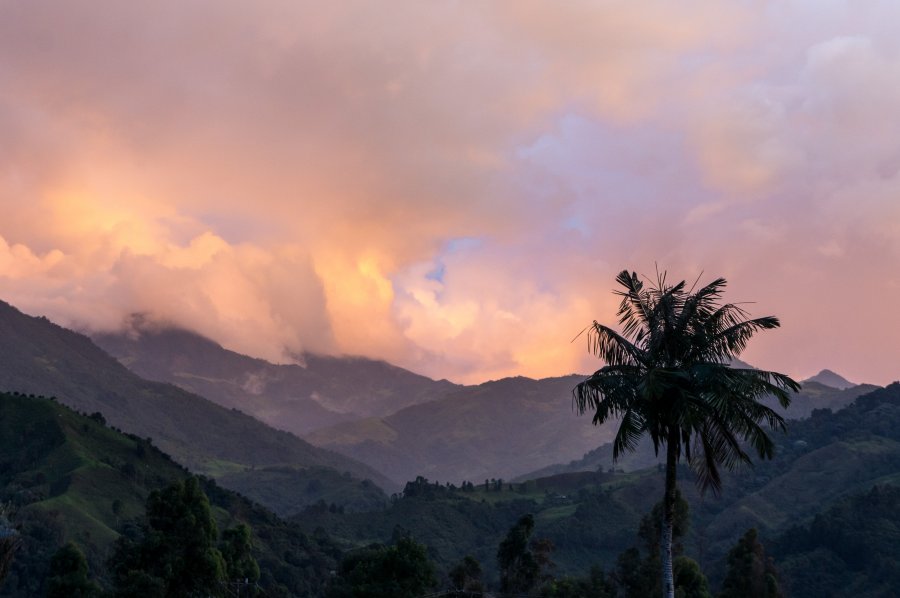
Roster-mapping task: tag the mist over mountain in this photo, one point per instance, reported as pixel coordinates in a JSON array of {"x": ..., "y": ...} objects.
[
  {"x": 399, "y": 422},
  {"x": 39, "y": 357},
  {"x": 319, "y": 391}
]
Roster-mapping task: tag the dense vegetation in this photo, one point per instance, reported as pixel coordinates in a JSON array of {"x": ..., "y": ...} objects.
[
  {"x": 70, "y": 478},
  {"x": 850, "y": 549},
  {"x": 288, "y": 490},
  {"x": 590, "y": 517}
]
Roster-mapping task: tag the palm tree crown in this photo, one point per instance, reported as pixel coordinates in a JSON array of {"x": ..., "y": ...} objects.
[{"x": 668, "y": 374}]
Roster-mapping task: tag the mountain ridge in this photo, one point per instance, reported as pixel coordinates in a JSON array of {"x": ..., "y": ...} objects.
[
  {"x": 43, "y": 358},
  {"x": 299, "y": 398}
]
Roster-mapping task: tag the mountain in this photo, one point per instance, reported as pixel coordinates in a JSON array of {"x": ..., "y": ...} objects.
[
  {"x": 39, "y": 357},
  {"x": 812, "y": 395},
  {"x": 812, "y": 498},
  {"x": 829, "y": 378},
  {"x": 497, "y": 429},
  {"x": 69, "y": 477},
  {"x": 820, "y": 461},
  {"x": 319, "y": 391},
  {"x": 815, "y": 395}
]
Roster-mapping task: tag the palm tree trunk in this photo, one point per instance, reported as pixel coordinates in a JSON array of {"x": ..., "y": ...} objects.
[{"x": 668, "y": 577}]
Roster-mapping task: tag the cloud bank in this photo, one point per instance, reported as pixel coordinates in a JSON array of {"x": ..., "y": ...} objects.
[{"x": 448, "y": 186}]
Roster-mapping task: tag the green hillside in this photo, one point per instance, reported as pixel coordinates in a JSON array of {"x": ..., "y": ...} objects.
[
  {"x": 287, "y": 490},
  {"x": 591, "y": 517},
  {"x": 851, "y": 549},
  {"x": 69, "y": 477},
  {"x": 37, "y": 356}
]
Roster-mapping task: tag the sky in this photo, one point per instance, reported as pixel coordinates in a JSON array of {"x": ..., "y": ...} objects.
[{"x": 453, "y": 186}]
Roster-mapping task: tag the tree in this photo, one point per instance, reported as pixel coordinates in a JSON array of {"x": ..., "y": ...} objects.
[
  {"x": 750, "y": 572},
  {"x": 668, "y": 374},
  {"x": 9, "y": 542},
  {"x": 399, "y": 571},
  {"x": 689, "y": 579},
  {"x": 638, "y": 577},
  {"x": 236, "y": 548},
  {"x": 175, "y": 553},
  {"x": 520, "y": 561},
  {"x": 69, "y": 575},
  {"x": 465, "y": 577}
]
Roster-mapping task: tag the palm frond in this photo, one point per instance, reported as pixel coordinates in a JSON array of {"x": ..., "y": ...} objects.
[
  {"x": 612, "y": 347},
  {"x": 630, "y": 430},
  {"x": 667, "y": 375},
  {"x": 609, "y": 392},
  {"x": 635, "y": 310}
]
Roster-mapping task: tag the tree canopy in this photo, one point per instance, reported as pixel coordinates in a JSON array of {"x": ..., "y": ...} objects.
[{"x": 667, "y": 374}]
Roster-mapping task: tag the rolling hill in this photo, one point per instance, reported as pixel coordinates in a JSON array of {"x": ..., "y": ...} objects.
[
  {"x": 498, "y": 429},
  {"x": 39, "y": 357}
]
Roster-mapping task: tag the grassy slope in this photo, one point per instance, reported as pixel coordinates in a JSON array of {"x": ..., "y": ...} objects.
[{"x": 61, "y": 467}]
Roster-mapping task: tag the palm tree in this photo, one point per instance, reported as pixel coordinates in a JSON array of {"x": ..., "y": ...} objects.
[{"x": 668, "y": 375}]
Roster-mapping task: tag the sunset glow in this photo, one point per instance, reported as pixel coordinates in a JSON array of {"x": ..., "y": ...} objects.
[{"x": 452, "y": 186}]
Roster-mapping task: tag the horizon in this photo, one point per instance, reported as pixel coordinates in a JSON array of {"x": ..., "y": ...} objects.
[
  {"x": 161, "y": 327},
  {"x": 453, "y": 189}
]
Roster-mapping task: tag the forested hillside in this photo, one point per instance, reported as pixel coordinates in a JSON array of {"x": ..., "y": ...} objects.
[
  {"x": 68, "y": 477},
  {"x": 591, "y": 517}
]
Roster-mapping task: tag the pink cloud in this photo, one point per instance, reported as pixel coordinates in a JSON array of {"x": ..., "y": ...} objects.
[{"x": 287, "y": 176}]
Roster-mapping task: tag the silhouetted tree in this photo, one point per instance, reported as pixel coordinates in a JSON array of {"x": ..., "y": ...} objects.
[
  {"x": 689, "y": 579},
  {"x": 9, "y": 542},
  {"x": 637, "y": 577},
  {"x": 69, "y": 575},
  {"x": 750, "y": 572},
  {"x": 520, "y": 560},
  {"x": 399, "y": 571},
  {"x": 465, "y": 576},
  {"x": 667, "y": 374},
  {"x": 595, "y": 585}
]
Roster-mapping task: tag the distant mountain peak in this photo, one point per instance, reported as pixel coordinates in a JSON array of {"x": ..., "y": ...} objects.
[{"x": 829, "y": 378}]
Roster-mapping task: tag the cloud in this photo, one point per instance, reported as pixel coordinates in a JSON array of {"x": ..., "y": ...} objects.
[{"x": 297, "y": 176}]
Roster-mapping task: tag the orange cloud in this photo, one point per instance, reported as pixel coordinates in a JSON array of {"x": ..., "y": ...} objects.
[{"x": 451, "y": 186}]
